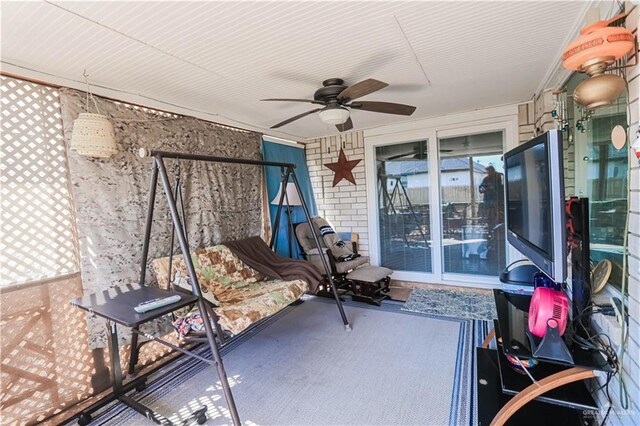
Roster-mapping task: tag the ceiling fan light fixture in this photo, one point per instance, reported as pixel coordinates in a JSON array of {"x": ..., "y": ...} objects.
[{"x": 337, "y": 115}]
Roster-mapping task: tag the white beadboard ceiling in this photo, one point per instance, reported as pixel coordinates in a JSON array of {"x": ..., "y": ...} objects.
[{"x": 222, "y": 57}]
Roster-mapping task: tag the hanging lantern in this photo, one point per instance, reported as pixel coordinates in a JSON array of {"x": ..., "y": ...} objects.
[
  {"x": 93, "y": 136},
  {"x": 597, "y": 48},
  {"x": 599, "y": 90}
]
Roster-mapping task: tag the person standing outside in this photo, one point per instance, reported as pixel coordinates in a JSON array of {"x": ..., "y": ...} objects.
[{"x": 492, "y": 189}]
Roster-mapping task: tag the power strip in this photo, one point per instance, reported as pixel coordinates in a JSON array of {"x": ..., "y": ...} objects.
[{"x": 617, "y": 307}]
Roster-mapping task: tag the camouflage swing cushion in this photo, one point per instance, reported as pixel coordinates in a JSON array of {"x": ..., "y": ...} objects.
[{"x": 241, "y": 295}]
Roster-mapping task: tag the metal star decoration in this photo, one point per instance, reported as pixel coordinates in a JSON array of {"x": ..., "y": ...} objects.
[{"x": 343, "y": 169}]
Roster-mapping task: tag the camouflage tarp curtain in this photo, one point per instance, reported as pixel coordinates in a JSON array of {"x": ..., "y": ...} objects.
[{"x": 223, "y": 201}]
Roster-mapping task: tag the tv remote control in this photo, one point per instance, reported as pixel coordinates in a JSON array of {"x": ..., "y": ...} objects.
[{"x": 150, "y": 305}]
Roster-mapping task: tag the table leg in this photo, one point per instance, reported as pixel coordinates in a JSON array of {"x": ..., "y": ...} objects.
[
  {"x": 116, "y": 374},
  {"x": 534, "y": 390},
  {"x": 120, "y": 390},
  {"x": 135, "y": 350},
  {"x": 489, "y": 338},
  {"x": 116, "y": 369}
]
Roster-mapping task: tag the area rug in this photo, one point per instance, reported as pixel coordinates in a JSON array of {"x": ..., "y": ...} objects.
[
  {"x": 302, "y": 368},
  {"x": 469, "y": 304}
]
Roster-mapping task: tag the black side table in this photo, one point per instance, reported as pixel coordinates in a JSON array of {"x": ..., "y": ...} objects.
[{"x": 116, "y": 307}]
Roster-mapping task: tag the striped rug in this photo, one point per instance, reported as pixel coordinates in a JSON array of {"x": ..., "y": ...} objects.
[{"x": 301, "y": 367}]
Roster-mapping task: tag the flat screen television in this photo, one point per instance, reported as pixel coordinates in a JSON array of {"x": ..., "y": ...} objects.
[{"x": 534, "y": 200}]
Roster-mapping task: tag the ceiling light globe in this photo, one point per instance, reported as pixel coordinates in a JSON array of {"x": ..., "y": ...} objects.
[{"x": 337, "y": 115}]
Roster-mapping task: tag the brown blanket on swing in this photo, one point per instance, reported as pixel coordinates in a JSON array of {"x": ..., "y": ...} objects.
[{"x": 257, "y": 255}]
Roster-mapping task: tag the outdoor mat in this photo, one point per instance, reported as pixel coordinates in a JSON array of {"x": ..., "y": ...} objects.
[{"x": 467, "y": 304}]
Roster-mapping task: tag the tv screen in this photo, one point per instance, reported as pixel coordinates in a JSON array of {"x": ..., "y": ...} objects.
[
  {"x": 528, "y": 200},
  {"x": 534, "y": 199}
]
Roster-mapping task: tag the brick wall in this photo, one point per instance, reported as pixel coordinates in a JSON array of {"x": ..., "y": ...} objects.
[
  {"x": 632, "y": 359},
  {"x": 543, "y": 105},
  {"x": 344, "y": 205},
  {"x": 526, "y": 122},
  {"x": 569, "y": 158},
  {"x": 542, "y": 121}
]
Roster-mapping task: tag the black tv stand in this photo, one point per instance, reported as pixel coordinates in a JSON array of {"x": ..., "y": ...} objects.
[
  {"x": 491, "y": 399},
  {"x": 506, "y": 396}
]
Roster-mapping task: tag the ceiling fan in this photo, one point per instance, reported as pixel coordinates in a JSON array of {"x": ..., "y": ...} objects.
[
  {"x": 336, "y": 99},
  {"x": 418, "y": 152}
]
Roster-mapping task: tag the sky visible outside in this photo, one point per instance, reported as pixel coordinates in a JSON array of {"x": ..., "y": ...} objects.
[{"x": 494, "y": 160}]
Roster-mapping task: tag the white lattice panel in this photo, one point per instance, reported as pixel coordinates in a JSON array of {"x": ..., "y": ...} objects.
[{"x": 37, "y": 233}]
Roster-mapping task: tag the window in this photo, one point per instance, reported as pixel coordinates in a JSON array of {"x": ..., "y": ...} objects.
[{"x": 37, "y": 234}]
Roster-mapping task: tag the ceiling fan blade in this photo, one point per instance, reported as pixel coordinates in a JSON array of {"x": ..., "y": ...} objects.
[
  {"x": 347, "y": 125},
  {"x": 361, "y": 89},
  {"x": 414, "y": 155},
  {"x": 384, "y": 107},
  {"x": 398, "y": 156},
  {"x": 294, "y": 118},
  {"x": 313, "y": 101}
]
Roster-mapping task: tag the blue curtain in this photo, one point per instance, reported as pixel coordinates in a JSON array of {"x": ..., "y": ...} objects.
[{"x": 287, "y": 154}]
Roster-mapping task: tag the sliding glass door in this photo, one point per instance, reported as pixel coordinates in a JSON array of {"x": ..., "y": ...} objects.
[
  {"x": 472, "y": 200},
  {"x": 436, "y": 203},
  {"x": 402, "y": 179}
]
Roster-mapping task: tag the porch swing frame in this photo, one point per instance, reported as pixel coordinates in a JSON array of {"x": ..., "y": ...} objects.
[{"x": 209, "y": 317}]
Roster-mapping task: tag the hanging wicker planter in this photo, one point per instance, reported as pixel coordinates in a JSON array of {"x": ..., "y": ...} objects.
[{"x": 93, "y": 136}]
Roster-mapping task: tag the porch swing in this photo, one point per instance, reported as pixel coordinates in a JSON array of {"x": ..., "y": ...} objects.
[{"x": 214, "y": 334}]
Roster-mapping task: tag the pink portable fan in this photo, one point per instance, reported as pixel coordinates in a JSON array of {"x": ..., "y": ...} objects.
[{"x": 548, "y": 307}]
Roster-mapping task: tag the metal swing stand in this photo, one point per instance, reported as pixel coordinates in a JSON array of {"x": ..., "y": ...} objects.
[{"x": 119, "y": 308}]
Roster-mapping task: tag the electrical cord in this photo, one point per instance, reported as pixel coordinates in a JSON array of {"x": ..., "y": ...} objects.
[
  {"x": 624, "y": 332},
  {"x": 606, "y": 387},
  {"x": 606, "y": 416},
  {"x": 599, "y": 342}
]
